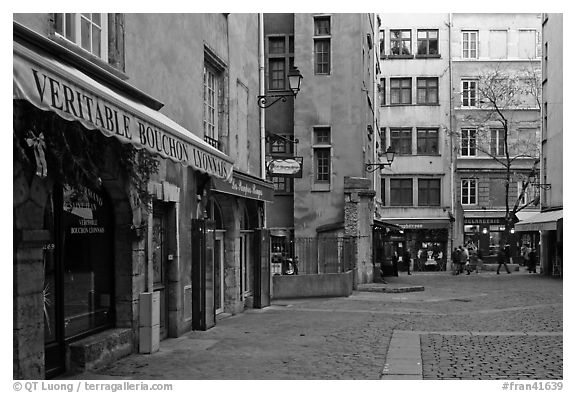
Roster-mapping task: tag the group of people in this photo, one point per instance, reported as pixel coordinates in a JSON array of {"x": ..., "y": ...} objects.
[
  {"x": 529, "y": 256},
  {"x": 461, "y": 259}
]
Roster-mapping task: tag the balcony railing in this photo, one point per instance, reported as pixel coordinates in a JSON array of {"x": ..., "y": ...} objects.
[{"x": 212, "y": 142}]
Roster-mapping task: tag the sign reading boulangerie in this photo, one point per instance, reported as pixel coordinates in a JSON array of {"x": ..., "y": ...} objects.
[{"x": 50, "y": 85}]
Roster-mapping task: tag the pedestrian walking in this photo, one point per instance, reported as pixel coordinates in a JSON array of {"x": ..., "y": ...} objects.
[
  {"x": 406, "y": 258},
  {"x": 479, "y": 260},
  {"x": 456, "y": 261},
  {"x": 532, "y": 261},
  {"x": 464, "y": 260},
  {"x": 502, "y": 259}
]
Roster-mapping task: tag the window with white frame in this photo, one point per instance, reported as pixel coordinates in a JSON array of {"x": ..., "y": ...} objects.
[
  {"x": 469, "y": 92},
  {"x": 470, "y": 44},
  {"x": 211, "y": 101},
  {"x": 322, "y": 151},
  {"x": 322, "y": 41},
  {"x": 469, "y": 191},
  {"x": 498, "y": 44},
  {"x": 497, "y": 141},
  {"x": 87, "y": 30},
  {"x": 529, "y": 195},
  {"x": 468, "y": 142}
]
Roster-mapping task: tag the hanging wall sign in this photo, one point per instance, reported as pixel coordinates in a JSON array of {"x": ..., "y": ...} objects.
[{"x": 285, "y": 167}]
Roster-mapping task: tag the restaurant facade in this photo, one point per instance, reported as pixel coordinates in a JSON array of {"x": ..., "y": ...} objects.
[{"x": 129, "y": 227}]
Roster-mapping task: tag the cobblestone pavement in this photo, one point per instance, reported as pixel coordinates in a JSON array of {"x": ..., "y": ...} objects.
[{"x": 517, "y": 319}]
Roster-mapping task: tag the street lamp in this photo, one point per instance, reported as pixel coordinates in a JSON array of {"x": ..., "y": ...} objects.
[
  {"x": 371, "y": 167},
  {"x": 294, "y": 81}
]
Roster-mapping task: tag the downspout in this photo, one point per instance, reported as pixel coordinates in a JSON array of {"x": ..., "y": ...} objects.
[
  {"x": 451, "y": 133},
  {"x": 262, "y": 110}
]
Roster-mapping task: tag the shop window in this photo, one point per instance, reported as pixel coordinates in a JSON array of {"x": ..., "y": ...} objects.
[
  {"x": 427, "y": 42},
  {"x": 87, "y": 30},
  {"x": 401, "y": 192},
  {"x": 427, "y": 141},
  {"x": 322, "y": 43},
  {"x": 428, "y": 192}
]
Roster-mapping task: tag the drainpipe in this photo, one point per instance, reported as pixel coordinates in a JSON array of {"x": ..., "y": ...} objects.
[
  {"x": 451, "y": 125},
  {"x": 262, "y": 110}
]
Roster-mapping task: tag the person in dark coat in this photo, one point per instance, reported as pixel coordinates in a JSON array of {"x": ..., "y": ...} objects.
[
  {"x": 456, "y": 260},
  {"x": 532, "y": 261},
  {"x": 395, "y": 263},
  {"x": 503, "y": 257},
  {"x": 406, "y": 258}
]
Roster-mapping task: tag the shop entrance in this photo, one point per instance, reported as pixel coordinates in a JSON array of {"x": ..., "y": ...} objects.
[
  {"x": 78, "y": 290},
  {"x": 219, "y": 272},
  {"x": 159, "y": 262}
]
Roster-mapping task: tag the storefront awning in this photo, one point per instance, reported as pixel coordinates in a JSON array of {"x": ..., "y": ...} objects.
[
  {"x": 545, "y": 221},
  {"x": 418, "y": 223},
  {"x": 245, "y": 186},
  {"x": 51, "y": 85},
  {"x": 385, "y": 224}
]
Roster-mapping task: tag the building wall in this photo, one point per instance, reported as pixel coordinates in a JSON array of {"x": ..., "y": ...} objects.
[
  {"x": 337, "y": 100},
  {"x": 552, "y": 93}
]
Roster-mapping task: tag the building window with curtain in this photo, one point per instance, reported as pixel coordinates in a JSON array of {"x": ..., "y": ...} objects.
[
  {"x": 468, "y": 139},
  {"x": 400, "y": 91},
  {"x": 427, "y": 141},
  {"x": 427, "y": 91},
  {"x": 400, "y": 42},
  {"x": 401, "y": 192},
  {"x": 401, "y": 140},
  {"x": 428, "y": 192},
  {"x": 427, "y": 42},
  {"x": 322, "y": 40},
  {"x": 87, "y": 30},
  {"x": 468, "y": 191}
]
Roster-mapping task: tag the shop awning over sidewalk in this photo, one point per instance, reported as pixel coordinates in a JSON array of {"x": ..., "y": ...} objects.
[
  {"x": 51, "y": 85},
  {"x": 545, "y": 221}
]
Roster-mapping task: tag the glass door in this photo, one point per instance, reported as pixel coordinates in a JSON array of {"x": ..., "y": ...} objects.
[{"x": 159, "y": 256}]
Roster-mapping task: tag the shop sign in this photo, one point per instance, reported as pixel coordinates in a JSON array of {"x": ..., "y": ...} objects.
[
  {"x": 83, "y": 212},
  {"x": 285, "y": 167},
  {"x": 411, "y": 226},
  {"x": 483, "y": 220},
  {"x": 76, "y": 97},
  {"x": 244, "y": 188}
]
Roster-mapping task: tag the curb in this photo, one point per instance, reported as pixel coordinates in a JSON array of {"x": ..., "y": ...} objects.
[{"x": 417, "y": 288}]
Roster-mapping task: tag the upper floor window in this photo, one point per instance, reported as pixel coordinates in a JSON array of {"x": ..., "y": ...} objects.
[
  {"x": 470, "y": 44},
  {"x": 428, "y": 192},
  {"x": 87, "y": 30},
  {"x": 468, "y": 192},
  {"x": 427, "y": 90},
  {"x": 498, "y": 44},
  {"x": 401, "y": 192},
  {"x": 527, "y": 44},
  {"x": 427, "y": 141},
  {"x": 469, "y": 92},
  {"x": 400, "y": 42},
  {"x": 322, "y": 152},
  {"x": 382, "y": 91},
  {"x": 468, "y": 147},
  {"x": 322, "y": 41},
  {"x": 530, "y": 193},
  {"x": 497, "y": 142},
  {"x": 401, "y": 140},
  {"x": 382, "y": 50},
  {"x": 400, "y": 90},
  {"x": 280, "y": 59},
  {"x": 427, "y": 42},
  {"x": 211, "y": 101}
]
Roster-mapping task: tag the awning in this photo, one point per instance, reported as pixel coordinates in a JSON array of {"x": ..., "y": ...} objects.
[
  {"x": 245, "y": 186},
  {"x": 545, "y": 221},
  {"x": 385, "y": 224},
  {"x": 418, "y": 223},
  {"x": 54, "y": 86}
]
